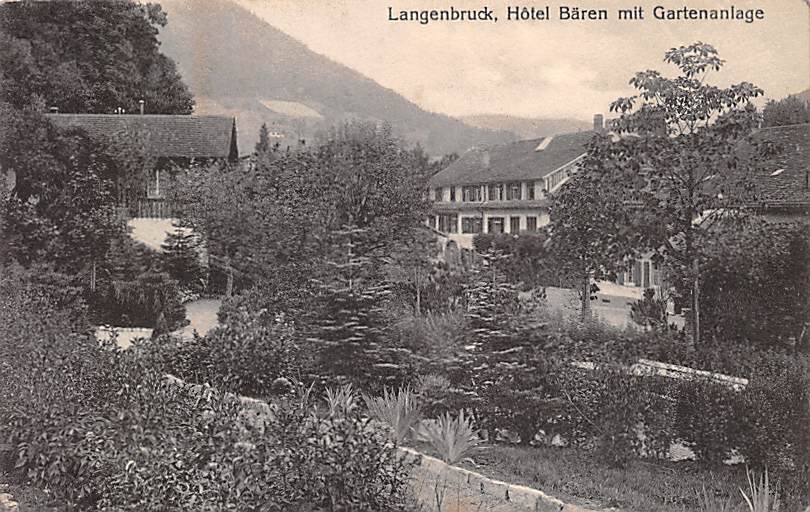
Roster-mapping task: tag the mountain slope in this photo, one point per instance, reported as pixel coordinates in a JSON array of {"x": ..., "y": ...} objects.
[
  {"x": 526, "y": 128},
  {"x": 804, "y": 95},
  {"x": 237, "y": 64}
]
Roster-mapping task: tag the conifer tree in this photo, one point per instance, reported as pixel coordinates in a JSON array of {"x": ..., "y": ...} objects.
[
  {"x": 263, "y": 146},
  {"x": 491, "y": 304},
  {"x": 348, "y": 325},
  {"x": 181, "y": 259}
]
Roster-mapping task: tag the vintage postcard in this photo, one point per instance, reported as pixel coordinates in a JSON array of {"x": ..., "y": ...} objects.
[{"x": 405, "y": 255}]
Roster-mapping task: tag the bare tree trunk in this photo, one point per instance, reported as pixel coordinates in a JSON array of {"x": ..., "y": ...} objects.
[
  {"x": 586, "y": 297},
  {"x": 93, "y": 277},
  {"x": 696, "y": 304},
  {"x": 229, "y": 281}
]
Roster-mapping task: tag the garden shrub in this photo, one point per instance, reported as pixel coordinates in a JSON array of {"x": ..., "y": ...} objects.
[
  {"x": 704, "y": 418},
  {"x": 522, "y": 411},
  {"x": 606, "y": 409},
  {"x": 772, "y": 416},
  {"x": 756, "y": 285},
  {"x": 101, "y": 428},
  {"x": 151, "y": 299},
  {"x": 768, "y": 422},
  {"x": 244, "y": 355},
  {"x": 438, "y": 396}
]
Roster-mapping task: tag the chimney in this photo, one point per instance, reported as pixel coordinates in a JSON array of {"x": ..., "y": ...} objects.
[
  {"x": 141, "y": 103},
  {"x": 54, "y": 110},
  {"x": 598, "y": 122}
]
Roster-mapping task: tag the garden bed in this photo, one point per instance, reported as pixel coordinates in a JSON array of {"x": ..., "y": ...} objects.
[{"x": 576, "y": 477}]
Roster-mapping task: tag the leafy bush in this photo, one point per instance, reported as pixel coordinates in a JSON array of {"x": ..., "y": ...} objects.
[
  {"x": 433, "y": 391},
  {"x": 154, "y": 445},
  {"x": 772, "y": 416},
  {"x": 756, "y": 287},
  {"x": 150, "y": 299},
  {"x": 522, "y": 411},
  {"x": 704, "y": 418},
  {"x": 399, "y": 410},
  {"x": 103, "y": 429},
  {"x": 451, "y": 438},
  {"x": 244, "y": 355},
  {"x": 527, "y": 260},
  {"x": 615, "y": 413}
]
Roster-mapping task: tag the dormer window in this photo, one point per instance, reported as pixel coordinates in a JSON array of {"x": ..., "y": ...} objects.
[{"x": 544, "y": 143}]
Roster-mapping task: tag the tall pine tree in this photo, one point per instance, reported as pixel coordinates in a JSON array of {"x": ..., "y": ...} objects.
[
  {"x": 181, "y": 259},
  {"x": 348, "y": 325}
]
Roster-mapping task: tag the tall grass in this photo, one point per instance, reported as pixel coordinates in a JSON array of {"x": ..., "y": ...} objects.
[
  {"x": 452, "y": 438},
  {"x": 708, "y": 502},
  {"x": 761, "y": 497},
  {"x": 400, "y": 410}
]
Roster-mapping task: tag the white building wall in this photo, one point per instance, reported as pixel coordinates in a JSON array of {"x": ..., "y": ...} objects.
[{"x": 465, "y": 240}]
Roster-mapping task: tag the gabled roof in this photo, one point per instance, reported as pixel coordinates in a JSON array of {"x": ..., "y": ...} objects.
[
  {"x": 517, "y": 161},
  {"x": 170, "y": 136},
  {"x": 784, "y": 180}
]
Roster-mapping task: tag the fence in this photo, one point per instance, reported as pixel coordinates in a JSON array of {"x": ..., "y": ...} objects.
[
  {"x": 146, "y": 208},
  {"x": 151, "y": 208}
]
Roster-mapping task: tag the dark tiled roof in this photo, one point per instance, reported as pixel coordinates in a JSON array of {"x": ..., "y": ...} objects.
[
  {"x": 171, "y": 136},
  {"x": 513, "y": 162},
  {"x": 790, "y": 186}
]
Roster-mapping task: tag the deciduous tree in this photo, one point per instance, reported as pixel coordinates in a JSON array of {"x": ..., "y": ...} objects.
[
  {"x": 88, "y": 57},
  {"x": 61, "y": 207},
  {"x": 676, "y": 162},
  {"x": 787, "y": 111},
  {"x": 589, "y": 237}
]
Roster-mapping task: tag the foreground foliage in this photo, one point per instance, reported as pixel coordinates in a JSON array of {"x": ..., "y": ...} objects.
[{"x": 103, "y": 429}]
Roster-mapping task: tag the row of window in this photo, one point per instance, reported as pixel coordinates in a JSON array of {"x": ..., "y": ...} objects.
[
  {"x": 643, "y": 273},
  {"x": 513, "y": 191},
  {"x": 448, "y": 223}
]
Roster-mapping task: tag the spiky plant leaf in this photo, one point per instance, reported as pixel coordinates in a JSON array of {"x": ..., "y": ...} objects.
[
  {"x": 400, "y": 410},
  {"x": 452, "y": 438}
]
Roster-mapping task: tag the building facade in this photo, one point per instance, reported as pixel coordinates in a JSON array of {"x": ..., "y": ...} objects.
[
  {"x": 505, "y": 188},
  {"x": 170, "y": 142}
]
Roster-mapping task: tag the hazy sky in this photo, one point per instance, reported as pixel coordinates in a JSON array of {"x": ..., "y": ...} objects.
[{"x": 540, "y": 68}]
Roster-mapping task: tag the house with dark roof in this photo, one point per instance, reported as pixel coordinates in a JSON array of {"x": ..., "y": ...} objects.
[
  {"x": 172, "y": 142},
  {"x": 782, "y": 185},
  {"x": 504, "y": 188}
]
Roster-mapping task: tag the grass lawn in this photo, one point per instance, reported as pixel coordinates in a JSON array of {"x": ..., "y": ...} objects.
[
  {"x": 29, "y": 499},
  {"x": 575, "y": 477}
]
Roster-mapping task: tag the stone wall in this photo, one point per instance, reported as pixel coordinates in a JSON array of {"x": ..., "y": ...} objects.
[{"x": 447, "y": 488}]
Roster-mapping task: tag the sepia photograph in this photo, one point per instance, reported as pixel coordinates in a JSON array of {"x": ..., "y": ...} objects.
[{"x": 405, "y": 255}]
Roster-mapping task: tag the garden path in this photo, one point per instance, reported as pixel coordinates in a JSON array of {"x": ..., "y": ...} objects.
[{"x": 202, "y": 317}]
